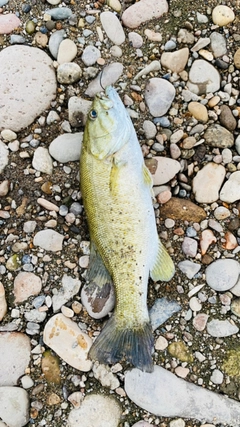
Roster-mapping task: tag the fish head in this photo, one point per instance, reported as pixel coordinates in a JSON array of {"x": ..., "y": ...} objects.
[{"x": 108, "y": 127}]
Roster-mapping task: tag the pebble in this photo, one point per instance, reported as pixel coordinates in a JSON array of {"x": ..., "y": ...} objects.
[
  {"x": 236, "y": 58},
  {"x": 90, "y": 55},
  {"x": 25, "y": 285},
  {"x": 153, "y": 66},
  {"x": 152, "y": 35},
  {"x": 59, "y": 13},
  {"x": 42, "y": 160},
  {"x": 221, "y": 213},
  {"x": 218, "y": 44},
  {"x": 63, "y": 336},
  {"x": 149, "y": 129},
  {"x": 16, "y": 39},
  {"x": 68, "y": 73},
  {"x": 189, "y": 247},
  {"x": 47, "y": 205},
  {"x": 203, "y": 78},
  {"x": 222, "y": 15},
  {"x": 162, "y": 310},
  {"x": 189, "y": 268},
  {"x": 222, "y": 274},
  {"x": 182, "y": 209},
  {"x": 227, "y": 119},
  {"x": 8, "y": 135},
  {"x": 221, "y": 328},
  {"x": 165, "y": 170},
  {"x": 70, "y": 287},
  {"x": 231, "y": 188},
  {"x": 14, "y": 406},
  {"x": 146, "y": 391},
  {"x": 207, "y": 238},
  {"x": 135, "y": 39},
  {"x": 66, "y": 147},
  {"x": 54, "y": 42},
  {"x": 77, "y": 111},
  {"x": 96, "y": 409},
  {"x": 14, "y": 356},
  {"x": 200, "y": 321},
  {"x": 159, "y": 94},
  {"x": 49, "y": 240},
  {"x": 175, "y": 61},
  {"x": 207, "y": 183},
  {"x": 216, "y": 377},
  {"x": 161, "y": 343},
  {"x": 3, "y": 302},
  {"x": 198, "y": 111},
  {"x": 67, "y": 51},
  {"x": 8, "y": 23},
  {"x": 143, "y": 11},
  {"x": 112, "y": 27},
  {"x": 3, "y": 156},
  {"x": 23, "y": 103},
  {"x": 105, "y": 376},
  {"x": 111, "y": 74}
]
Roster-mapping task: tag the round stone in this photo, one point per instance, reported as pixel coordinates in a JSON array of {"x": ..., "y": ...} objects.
[
  {"x": 30, "y": 87},
  {"x": 68, "y": 73},
  {"x": 222, "y": 274},
  {"x": 222, "y": 15},
  {"x": 159, "y": 95},
  {"x": 203, "y": 78},
  {"x": 198, "y": 111},
  {"x": 8, "y": 23}
]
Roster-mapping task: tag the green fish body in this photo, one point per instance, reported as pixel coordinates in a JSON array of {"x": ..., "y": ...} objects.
[{"x": 116, "y": 188}]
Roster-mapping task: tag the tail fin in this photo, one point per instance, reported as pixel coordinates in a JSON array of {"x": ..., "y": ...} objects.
[{"x": 114, "y": 344}]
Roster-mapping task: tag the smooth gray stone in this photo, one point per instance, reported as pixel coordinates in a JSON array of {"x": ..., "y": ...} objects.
[
  {"x": 164, "y": 394},
  {"x": 54, "y": 42},
  {"x": 161, "y": 310},
  {"x": 59, "y": 13}
]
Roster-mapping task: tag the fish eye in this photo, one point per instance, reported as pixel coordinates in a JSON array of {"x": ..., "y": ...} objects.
[{"x": 93, "y": 114}]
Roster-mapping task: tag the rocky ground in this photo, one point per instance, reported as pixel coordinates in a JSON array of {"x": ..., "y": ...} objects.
[{"x": 176, "y": 67}]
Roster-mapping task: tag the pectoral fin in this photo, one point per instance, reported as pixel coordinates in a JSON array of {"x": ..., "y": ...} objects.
[
  {"x": 147, "y": 177},
  {"x": 98, "y": 293},
  {"x": 163, "y": 268}
]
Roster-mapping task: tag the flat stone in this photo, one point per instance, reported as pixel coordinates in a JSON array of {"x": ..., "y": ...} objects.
[
  {"x": 22, "y": 102},
  {"x": 162, "y": 310},
  {"x": 67, "y": 51},
  {"x": 135, "y": 39},
  {"x": 8, "y": 23},
  {"x": 54, "y": 42},
  {"x": 14, "y": 357},
  {"x": 222, "y": 15},
  {"x": 159, "y": 94},
  {"x": 112, "y": 27},
  {"x": 68, "y": 73},
  {"x": 218, "y": 44},
  {"x": 78, "y": 109},
  {"x": 222, "y": 274},
  {"x": 182, "y": 209},
  {"x": 14, "y": 406},
  {"x": 143, "y": 11},
  {"x": 175, "y": 61},
  {"x": 66, "y": 147},
  {"x": 42, "y": 160},
  {"x": 207, "y": 183},
  {"x": 178, "y": 398},
  {"x": 64, "y": 337},
  {"x": 49, "y": 240},
  {"x": 231, "y": 189},
  {"x": 221, "y": 328},
  {"x": 189, "y": 268},
  {"x": 166, "y": 170},
  {"x": 198, "y": 111},
  {"x": 25, "y": 285},
  {"x": 96, "y": 410},
  {"x": 111, "y": 74},
  {"x": 70, "y": 287},
  {"x": 200, "y": 321},
  {"x": 203, "y": 78},
  {"x": 59, "y": 13},
  {"x": 189, "y": 246}
]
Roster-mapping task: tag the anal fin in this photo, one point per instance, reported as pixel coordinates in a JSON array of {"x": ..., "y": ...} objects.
[
  {"x": 163, "y": 268},
  {"x": 97, "y": 294}
]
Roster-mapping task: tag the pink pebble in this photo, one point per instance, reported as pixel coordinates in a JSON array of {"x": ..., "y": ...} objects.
[
  {"x": 164, "y": 196},
  {"x": 8, "y": 23}
]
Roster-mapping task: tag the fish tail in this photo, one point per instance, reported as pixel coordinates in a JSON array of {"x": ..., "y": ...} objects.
[{"x": 115, "y": 343}]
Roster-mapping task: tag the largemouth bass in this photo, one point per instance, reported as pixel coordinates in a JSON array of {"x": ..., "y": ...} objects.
[{"x": 116, "y": 188}]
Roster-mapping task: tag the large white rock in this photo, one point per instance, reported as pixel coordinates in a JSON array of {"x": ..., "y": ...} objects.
[
  {"x": 67, "y": 340},
  {"x": 203, "y": 78},
  {"x": 66, "y": 147},
  {"x": 166, "y": 170},
  {"x": 165, "y": 395},
  {"x": 3, "y": 155},
  {"x": 159, "y": 94},
  {"x": 207, "y": 183},
  {"x": 112, "y": 27},
  {"x": 14, "y": 406},
  {"x": 222, "y": 274},
  {"x": 14, "y": 357},
  {"x": 27, "y": 85},
  {"x": 49, "y": 240},
  {"x": 143, "y": 11},
  {"x": 231, "y": 189}
]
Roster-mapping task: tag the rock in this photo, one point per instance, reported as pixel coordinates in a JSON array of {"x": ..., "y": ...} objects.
[
  {"x": 112, "y": 27},
  {"x": 14, "y": 357},
  {"x": 221, "y": 328},
  {"x": 231, "y": 241},
  {"x": 175, "y": 61},
  {"x": 161, "y": 311},
  {"x": 152, "y": 35},
  {"x": 189, "y": 268},
  {"x": 227, "y": 119},
  {"x": 179, "y": 398},
  {"x": 67, "y": 340},
  {"x": 14, "y": 406},
  {"x": 184, "y": 36},
  {"x": 135, "y": 39},
  {"x": 49, "y": 240},
  {"x": 221, "y": 213},
  {"x": 54, "y": 42},
  {"x": 200, "y": 321},
  {"x": 216, "y": 377},
  {"x": 96, "y": 410},
  {"x": 231, "y": 189},
  {"x": 159, "y": 94},
  {"x": 8, "y": 135},
  {"x": 8, "y": 23},
  {"x": 207, "y": 183},
  {"x": 201, "y": 43},
  {"x": 207, "y": 238},
  {"x": 111, "y": 74},
  {"x": 149, "y": 129},
  {"x": 182, "y": 209},
  {"x": 222, "y": 274},
  {"x": 51, "y": 367},
  {"x": 198, "y": 111},
  {"x": 235, "y": 307},
  {"x": 153, "y": 66},
  {"x": 42, "y": 161},
  {"x": 3, "y": 156},
  {"x": 222, "y": 15},
  {"x": 218, "y": 44},
  {"x": 68, "y": 73},
  {"x": 231, "y": 363},
  {"x": 25, "y": 285},
  {"x": 78, "y": 109},
  {"x": 59, "y": 13},
  {"x": 143, "y": 11},
  {"x": 41, "y": 39},
  {"x": 115, "y": 5},
  {"x": 91, "y": 54},
  {"x": 66, "y": 147},
  {"x": 165, "y": 170},
  {"x": 67, "y": 51},
  {"x": 97, "y": 300},
  {"x": 189, "y": 247},
  {"x": 105, "y": 376},
  {"x": 3, "y": 302},
  {"x": 70, "y": 287},
  {"x": 203, "y": 78},
  {"x": 22, "y": 103},
  {"x": 236, "y": 58}
]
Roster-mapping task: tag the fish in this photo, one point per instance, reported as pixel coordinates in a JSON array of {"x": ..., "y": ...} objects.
[{"x": 125, "y": 248}]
